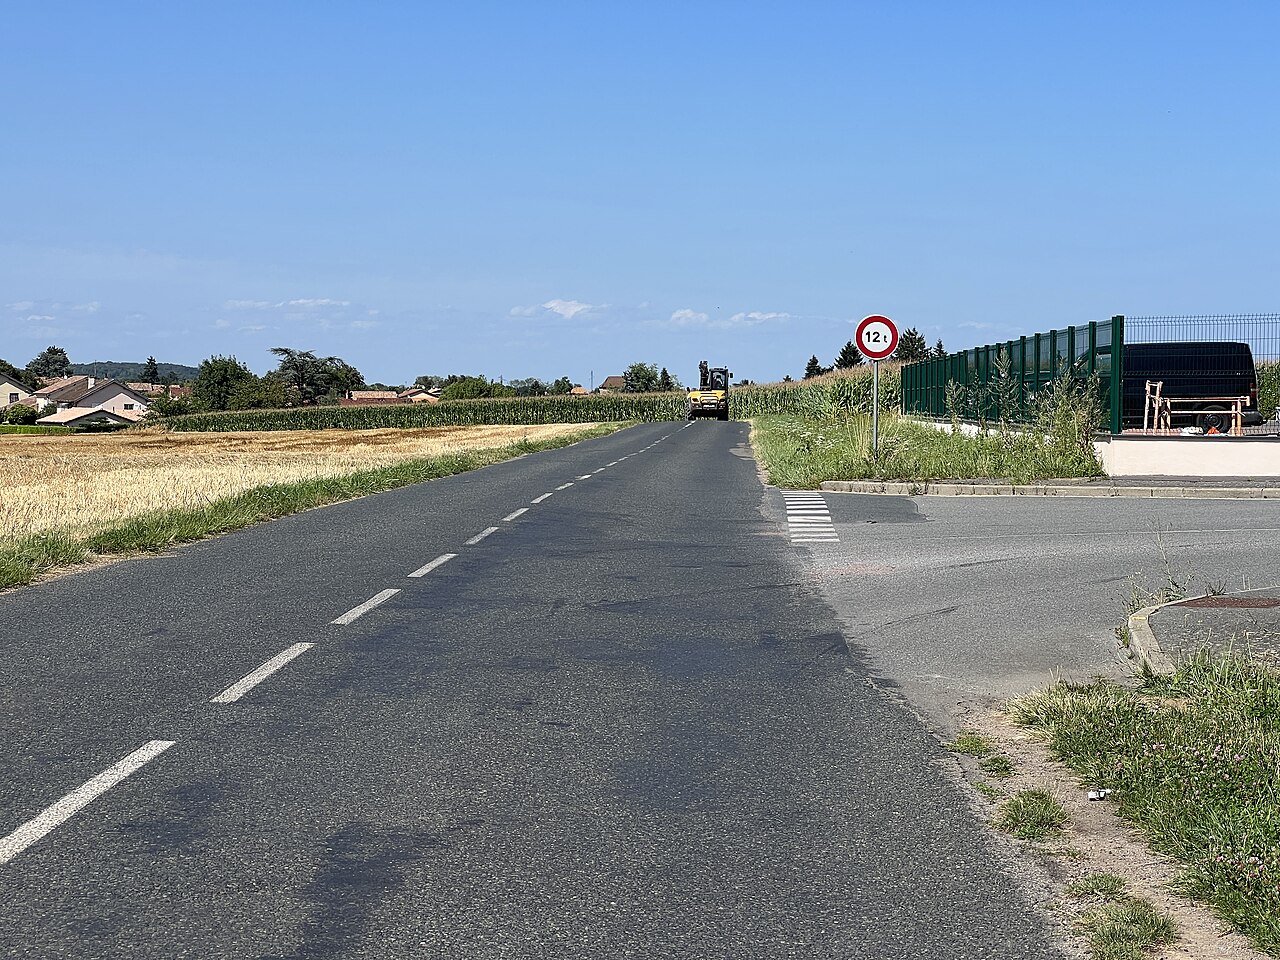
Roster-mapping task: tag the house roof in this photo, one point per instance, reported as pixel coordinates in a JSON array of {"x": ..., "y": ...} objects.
[
  {"x": 579, "y": 391},
  {"x": 65, "y": 389},
  {"x": 613, "y": 383},
  {"x": 74, "y": 416},
  {"x": 15, "y": 382},
  {"x": 374, "y": 395}
]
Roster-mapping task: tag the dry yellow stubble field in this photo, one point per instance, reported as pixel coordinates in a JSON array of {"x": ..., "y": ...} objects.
[{"x": 78, "y": 483}]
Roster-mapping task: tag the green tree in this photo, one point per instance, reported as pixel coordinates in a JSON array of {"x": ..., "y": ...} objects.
[
  {"x": 151, "y": 371},
  {"x": 562, "y": 386},
  {"x": 474, "y": 388},
  {"x": 911, "y": 346},
  {"x": 813, "y": 368},
  {"x": 529, "y": 387},
  {"x": 217, "y": 380},
  {"x": 165, "y": 406},
  {"x": 848, "y": 357},
  {"x": 665, "y": 383},
  {"x": 640, "y": 378},
  {"x": 266, "y": 392},
  {"x": 939, "y": 351},
  {"x": 787, "y": 379},
  {"x": 307, "y": 376},
  {"x": 49, "y": 364},
  {"x": 7, "y": 369}
]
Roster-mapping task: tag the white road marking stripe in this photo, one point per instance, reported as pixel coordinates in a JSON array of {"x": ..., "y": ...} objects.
[
  {"x": 541, "y": 498},
  {"x": 357, "y": 612},
  {"x": 437, "y": 562},
  {"x": 78, "y": 799},
  {"x": 585, "y": 476},
  {"x": 614, "y": 464},
  {"x": 481, "y": 535},
  {"x": 565, "y": 486},
  {"x": 601, "y": 470},
  {"x": 243, "y": 686},
  {"x": 511, "y": 516}
]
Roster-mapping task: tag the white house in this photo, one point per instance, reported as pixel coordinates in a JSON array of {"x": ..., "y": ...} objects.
[{"x": 13, "y": 391}]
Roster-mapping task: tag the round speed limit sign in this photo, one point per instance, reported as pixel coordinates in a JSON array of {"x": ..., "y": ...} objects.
[{"x": 877, "y": 337}]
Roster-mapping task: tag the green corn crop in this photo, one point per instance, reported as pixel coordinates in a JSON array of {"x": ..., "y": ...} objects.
[{"x": 818, "y": 398}]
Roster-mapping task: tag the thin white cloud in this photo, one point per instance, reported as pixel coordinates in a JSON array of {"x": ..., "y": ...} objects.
[
  {"x": 363, "y": 324},
  {"x": 756, "y": 317},
  {"x": 252, "y": 328},
  {"x": 91, "y": 307},
  {"x": 21, "y": 305},
  {"x": 39, "y": 318},
  {"x": 315, "y": 302},
  {"x": 687, "y": 318},
  {"x": 565, "y": 309},
  {"x": 221, "y": 324},
  {"x": 246, "y": 305}
]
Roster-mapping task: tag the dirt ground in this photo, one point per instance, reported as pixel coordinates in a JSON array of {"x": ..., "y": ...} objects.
[
  {"x": 1096, "y": 840},
  {"x": 79, "y": 482}
]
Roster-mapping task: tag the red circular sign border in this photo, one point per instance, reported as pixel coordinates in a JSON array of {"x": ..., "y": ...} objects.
[{"x": 893, "y": 344}]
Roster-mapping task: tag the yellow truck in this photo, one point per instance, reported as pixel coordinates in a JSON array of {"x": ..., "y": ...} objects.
[{"x": 711, "y": 399}]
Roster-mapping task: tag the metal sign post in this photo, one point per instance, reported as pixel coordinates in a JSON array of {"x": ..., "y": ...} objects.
[{"x": 877, "y": 338}]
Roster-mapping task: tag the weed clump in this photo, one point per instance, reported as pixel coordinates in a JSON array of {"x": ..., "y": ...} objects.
[{"x": 1032, "y": 815}]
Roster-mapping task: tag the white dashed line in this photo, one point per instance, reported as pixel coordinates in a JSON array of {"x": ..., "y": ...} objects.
[
  {"x": 601, "y": 470},
  {"x": 585, "y": 476},
  {"x": 808, "y": 519},
  {"x": 614, "y": 464},
  {"x": 79, "y": 798},
  {"x": 511, "y": 516},
  {"x": 540, "y": 499},
  {"x": 437, "y": 562},
  {"x": 481, "y": 535},
  {"x": 241, "y": 687},
  {"x": 565, "y": 486},
  {"x": 356, "y": 612}
]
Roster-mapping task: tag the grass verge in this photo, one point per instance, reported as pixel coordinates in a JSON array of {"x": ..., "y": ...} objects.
[
  {"x": 24, "y": 559},
  {"x": 33, "y": 430},
  {"x": 1193, "y": 762},
  {"x": 799, "y": 453}
]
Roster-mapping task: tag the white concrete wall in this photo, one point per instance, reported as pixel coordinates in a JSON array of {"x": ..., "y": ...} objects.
[{"x": 1190, "y": 456}]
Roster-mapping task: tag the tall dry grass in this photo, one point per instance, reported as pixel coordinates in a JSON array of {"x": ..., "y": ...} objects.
[{"x": 79, "y": 484}]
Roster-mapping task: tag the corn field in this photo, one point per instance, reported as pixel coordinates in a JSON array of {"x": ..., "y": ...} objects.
[{"x": 818, "y": 398}]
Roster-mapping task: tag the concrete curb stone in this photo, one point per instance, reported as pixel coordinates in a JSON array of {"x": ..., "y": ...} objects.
[{"x": 916, "y": 488}]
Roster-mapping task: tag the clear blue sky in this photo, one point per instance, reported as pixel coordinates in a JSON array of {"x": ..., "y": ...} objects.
[{"x": 545, "y": 188}]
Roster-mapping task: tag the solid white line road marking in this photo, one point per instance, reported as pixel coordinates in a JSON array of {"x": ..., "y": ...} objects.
[
  {"x": 541, "y": 498},
  {"x": 437, "y": 562},
  {"x": 511, "y": 516},
  {"x": 241, "y": 687},
  {"x": 357, "y": 612},
  {"x": 565, "y": 486},
  {"x": 78, "y": 799},
  {"x": 481, "y": 535}
]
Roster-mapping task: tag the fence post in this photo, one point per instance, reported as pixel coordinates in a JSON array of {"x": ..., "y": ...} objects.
[{"x": 1117, "y": 372}]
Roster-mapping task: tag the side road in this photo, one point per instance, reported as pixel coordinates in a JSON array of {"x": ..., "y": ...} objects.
[
  {"x": 965, "y": 601},
  {"x": 583, "y": 704}
]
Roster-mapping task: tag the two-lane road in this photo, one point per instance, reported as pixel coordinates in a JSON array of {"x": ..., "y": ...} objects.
[{"x": 618, "y": 720}]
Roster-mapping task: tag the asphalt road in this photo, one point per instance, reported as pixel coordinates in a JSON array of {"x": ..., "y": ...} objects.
[
  {"x": 624, "y": 723},
  {"x": 961, "y": 602}
]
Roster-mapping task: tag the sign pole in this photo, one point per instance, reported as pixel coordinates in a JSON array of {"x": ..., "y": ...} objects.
[
  {"x": 875, "y": 410},
  {"x": 877, "y": 338}
]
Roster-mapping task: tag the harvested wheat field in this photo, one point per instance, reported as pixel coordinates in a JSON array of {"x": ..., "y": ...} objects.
[{"x": 77, "y": 483}]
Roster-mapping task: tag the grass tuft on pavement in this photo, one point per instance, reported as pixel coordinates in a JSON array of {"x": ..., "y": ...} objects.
[
  {"x": 1103, "y": 885},
  {"x": 1031, "y": 815},
  {"x": 973, "y": 744},
  {"x": 1126, "y": 929},
  {"x": 1193, "y": 762},
  {"x": 24, "y": 559}
]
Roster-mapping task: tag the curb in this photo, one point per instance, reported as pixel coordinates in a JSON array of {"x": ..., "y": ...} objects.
[
  {"x": 917, "y": 488},
  {"x": 1143, "y": 645}
]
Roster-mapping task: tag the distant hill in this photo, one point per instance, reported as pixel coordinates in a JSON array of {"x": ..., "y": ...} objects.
[{"x": 120, "y": 370}]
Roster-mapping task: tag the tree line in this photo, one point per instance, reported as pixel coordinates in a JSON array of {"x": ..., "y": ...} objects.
[{"x": 912, "y": 346}]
